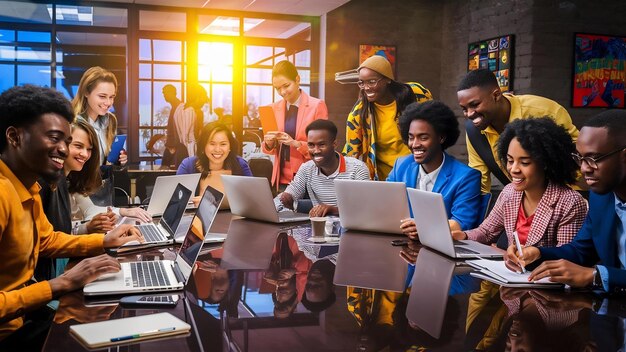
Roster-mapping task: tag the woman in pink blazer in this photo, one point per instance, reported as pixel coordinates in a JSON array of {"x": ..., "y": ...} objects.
[
  {"x": 537, "y": 205},
  {"x": 293, "y": 113}
]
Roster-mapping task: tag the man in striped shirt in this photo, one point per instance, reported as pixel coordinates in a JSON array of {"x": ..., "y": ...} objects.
[{"x": 317, "y": 175}]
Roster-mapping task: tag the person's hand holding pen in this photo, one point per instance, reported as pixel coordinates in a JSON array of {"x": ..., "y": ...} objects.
[
  {"x": 518, "y": 258},
  {"x": 407, "y": 226}
]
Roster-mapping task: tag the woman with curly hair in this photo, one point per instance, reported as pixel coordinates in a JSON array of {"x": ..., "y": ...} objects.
[
  {"x": 537, "y": 204},
  {"x": 372, "y": 125},
  {"x": 216, "y": 154}
]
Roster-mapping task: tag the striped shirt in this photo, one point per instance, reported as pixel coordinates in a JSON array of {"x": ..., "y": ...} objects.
[{"x": 321, "y": 188}]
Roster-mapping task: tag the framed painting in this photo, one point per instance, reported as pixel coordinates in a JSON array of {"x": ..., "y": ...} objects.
[
  {"x": 388, "y": 51},
  {"x": 599, "y": 71},
  {"x": 496, "y": 55}
]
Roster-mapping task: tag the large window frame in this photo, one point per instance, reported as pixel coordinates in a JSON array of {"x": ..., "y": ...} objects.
[{"x": 129, "y": 115}]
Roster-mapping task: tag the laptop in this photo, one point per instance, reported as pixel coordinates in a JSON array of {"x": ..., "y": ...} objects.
[
  {"x": 161, "y": 275},
  {"x": 249, "y": 245},
  {"x": 164, "y": 231},
  {"x": 433, "y": 228},
  {"x": 164, "y": 186},
  {"x": 370, "y": 261},
  {"x": 372, "y": 206},
  {"x": 205, "y": 211},
  {"x": 431, "y": 282},
  {"x": 251, "y": 197}
]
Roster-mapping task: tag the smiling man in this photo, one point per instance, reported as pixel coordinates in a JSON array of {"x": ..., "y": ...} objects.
[
  {"x": 428, "y": 129},
  {"x": 317, "y": 175},
  {"x": 596, "y": 257},
  {"x": 489, "y": 110},
  {"x": 34, "y": 122}
]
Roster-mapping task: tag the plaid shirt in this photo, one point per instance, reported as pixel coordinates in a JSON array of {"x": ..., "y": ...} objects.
[{"x": 558, "y": 217}]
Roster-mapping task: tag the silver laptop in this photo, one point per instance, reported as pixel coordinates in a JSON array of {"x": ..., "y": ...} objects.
[
  {"x": 433, "y": 228},
  {"x": 370, "y": 261},
  {"x": 431, "y": 281},
  {"x": 251, "y": 197},
  {"x": 249, "y": 245},
  {"x": 205, "y": 211},
  {"x": 164, "y": 186},
  {"x": 371, "y": 205},
  {"x": 161, "y": 275},
  {"x": 164, "y": 231}
]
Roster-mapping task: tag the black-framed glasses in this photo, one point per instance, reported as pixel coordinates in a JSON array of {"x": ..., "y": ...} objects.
[
  {"x": 593, "y": 162},
  {"x": 370, "y": 83}
]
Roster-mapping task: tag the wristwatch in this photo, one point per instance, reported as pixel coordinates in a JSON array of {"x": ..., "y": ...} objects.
[{"x": 597, "y": 280}]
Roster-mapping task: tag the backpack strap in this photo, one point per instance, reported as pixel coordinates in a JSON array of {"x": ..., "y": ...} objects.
[{"x": 482, "y": 147}]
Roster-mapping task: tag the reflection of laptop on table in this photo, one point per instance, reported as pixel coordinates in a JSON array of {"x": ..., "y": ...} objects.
[
  {"x": 163, "y": 188},
  {"x": 167, "y": 226},
  {"x": 433, "y": 228},
  {"x": 249, "y": 245},
  {"x": 429, "y": 296},
  {"x": 370, "y": 261},
  {"x": 372, "y": 206},
  {"x": 251, "y": 197},
  {"x": 161, "y": 275}
]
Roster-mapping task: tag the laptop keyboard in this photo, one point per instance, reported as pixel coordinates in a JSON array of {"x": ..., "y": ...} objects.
[
  {"x": 148, "y": 274},
  {"x": 156, "y": 299},
  {"x": 291, "y": 215},
  {"x": 151, "y": 233}
]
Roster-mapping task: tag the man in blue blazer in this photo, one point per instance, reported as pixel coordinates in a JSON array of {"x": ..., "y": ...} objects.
[
  {"x": 597, "y": 256},
  {"x": 428, "y": 129}
]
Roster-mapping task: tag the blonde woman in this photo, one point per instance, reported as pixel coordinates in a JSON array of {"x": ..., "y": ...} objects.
[{"x": 95, "y": 96}]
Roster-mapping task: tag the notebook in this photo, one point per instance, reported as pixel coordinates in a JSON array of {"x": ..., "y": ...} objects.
[
  {"x": 268, "y": 120},
  {"x": 163, "y": 188},
  {"x": 433, "y": 228},
  {"x": 161, "y": 275},
  {"x": 251, "y": 197},
  {"x": 164, "y": 231},
  {"x": 129, "y": 330},
  {"x": 370, "y": 261},
  {"x": 498, "y": 273},
  {"x": 116, "y": 148},
  {"x": 372, "y": 206},
  {"x": 431, "y": 281}
]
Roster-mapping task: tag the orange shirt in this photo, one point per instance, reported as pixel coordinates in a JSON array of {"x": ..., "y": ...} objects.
[{"x": 25, "y": 232}]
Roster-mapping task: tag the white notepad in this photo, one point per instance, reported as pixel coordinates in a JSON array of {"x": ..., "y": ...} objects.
[
  {"x": 497, "y": 272},
  {"x": 129, "y": 330}
]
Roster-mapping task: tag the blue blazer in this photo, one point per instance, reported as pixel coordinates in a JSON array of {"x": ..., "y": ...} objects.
[
  {"x": 595, "y": 242},
  {"x": 458, "y": 184}
]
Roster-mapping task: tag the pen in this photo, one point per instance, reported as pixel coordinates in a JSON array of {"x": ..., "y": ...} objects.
[
  {"x": 519, "y": 248},
  {"x": 143, "y": 334}
]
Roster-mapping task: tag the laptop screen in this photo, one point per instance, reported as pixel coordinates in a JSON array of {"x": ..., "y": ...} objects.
[
  {"x": 175, "y": 208},
  {"x": 207, "y": 209}
]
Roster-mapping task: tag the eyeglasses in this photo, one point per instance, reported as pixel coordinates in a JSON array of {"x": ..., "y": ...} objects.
[
  {"x": 593, "y": 162},
  {"x": 370, "y": 83}
]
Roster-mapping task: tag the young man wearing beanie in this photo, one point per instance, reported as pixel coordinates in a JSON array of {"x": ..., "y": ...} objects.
[{"x": 372, "y": 130}]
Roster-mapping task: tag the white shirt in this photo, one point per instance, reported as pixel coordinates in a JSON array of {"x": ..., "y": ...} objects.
[{"x": 426, "y": 181}]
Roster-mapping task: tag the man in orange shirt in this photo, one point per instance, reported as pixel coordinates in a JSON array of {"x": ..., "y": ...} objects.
[{"x": 34, "y": 122}]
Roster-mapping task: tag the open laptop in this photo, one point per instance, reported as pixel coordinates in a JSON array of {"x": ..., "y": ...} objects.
[
  {"x": 433, "y": 228},
  {"x": 164, "y": 231},
  {"x": 251, "y": 197},
  {"x": 205, "y": 211},
  {"x": 370, "y": 261},
  {"x": 164, "y": 186},
  {"x": 372, "y": 206},
  {"x": 161, "y": 275},
  {"x": 431, "y": 284}
]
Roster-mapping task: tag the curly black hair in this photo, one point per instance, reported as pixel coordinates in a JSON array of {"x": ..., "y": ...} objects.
[
  {"x": 437, "y": 114},
  {"x": 22, "y": 105},
  {"x": 547, "y": 143}
]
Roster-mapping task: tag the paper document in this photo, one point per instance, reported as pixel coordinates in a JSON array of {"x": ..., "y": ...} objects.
[{"x": 498, "y": 271}]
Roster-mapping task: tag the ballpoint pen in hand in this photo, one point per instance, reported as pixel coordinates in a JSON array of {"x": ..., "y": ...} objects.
[{"x": 519, "y": 248}]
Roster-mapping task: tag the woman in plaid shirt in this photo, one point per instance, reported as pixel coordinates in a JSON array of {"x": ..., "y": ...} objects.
[{"x": 538, "y": 204}]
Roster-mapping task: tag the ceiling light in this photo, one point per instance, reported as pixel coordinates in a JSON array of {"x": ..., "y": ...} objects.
[{"x": 73, "y": 14}]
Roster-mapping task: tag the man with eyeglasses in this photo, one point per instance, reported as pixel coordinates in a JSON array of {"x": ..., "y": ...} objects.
[
  {"x": 596, "y": 257},
  {"x": 488, "y": 111}
]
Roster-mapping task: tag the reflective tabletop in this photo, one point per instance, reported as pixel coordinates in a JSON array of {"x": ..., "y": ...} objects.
[{"x": 268, "y": 287}]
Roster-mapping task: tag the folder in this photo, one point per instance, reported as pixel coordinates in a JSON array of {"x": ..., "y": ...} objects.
[{"x": 268, "y": 120}]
